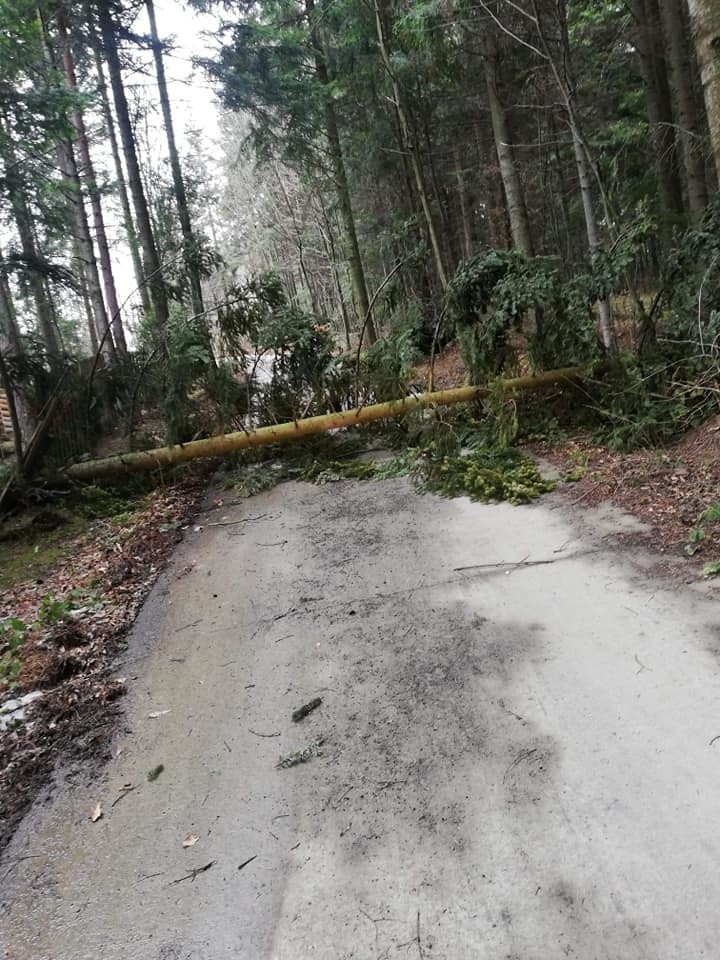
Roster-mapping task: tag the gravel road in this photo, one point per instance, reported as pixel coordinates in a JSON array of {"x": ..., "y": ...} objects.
[{"x": 513, "y": 758}]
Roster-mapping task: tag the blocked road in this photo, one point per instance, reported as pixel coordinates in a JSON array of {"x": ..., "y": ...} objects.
[{"x": 516, "y": 758}]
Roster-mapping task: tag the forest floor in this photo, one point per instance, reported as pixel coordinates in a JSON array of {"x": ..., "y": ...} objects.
[
  {"x": 514, "y": 753},
  {"x": 72, "y": 583}
]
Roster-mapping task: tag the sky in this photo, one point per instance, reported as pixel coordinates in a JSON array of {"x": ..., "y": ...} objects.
[{"x": 191, "y": 35}]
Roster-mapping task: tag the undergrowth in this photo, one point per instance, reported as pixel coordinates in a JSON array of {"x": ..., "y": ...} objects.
[{"x": 452, "y": 457}]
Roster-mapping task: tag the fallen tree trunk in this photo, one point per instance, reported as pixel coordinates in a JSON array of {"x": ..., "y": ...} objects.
[{"x": 230, "y": 442}]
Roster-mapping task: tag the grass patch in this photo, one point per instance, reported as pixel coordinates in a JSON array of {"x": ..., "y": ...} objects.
[{"x": 27, "y": 552}]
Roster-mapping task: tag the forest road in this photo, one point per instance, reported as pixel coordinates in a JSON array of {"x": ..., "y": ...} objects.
[{"x": 518, "y": 761}]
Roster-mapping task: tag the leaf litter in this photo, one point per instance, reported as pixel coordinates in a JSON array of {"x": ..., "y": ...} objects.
[{"x": 117, "y": 561}]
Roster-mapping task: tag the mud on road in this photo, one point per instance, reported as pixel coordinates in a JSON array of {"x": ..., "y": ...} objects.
[{"x": 512, "y": 759}]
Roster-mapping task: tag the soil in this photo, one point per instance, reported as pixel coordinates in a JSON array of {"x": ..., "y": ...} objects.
[
  {"x": 668, "y": 489},
  {"x": 448, "y": 369}
]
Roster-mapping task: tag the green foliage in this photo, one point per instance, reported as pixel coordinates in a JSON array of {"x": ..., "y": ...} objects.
[
  {"x": 53, "y": 611},
  {"x": 698, "y": 534},
  {"x": 489, "y": 476},
  {"x": 13, "y": 634},
  {"x": 492, "y": 296},
  {"x": 387, "y": 367},
  {"x": 631, "y": 414}
]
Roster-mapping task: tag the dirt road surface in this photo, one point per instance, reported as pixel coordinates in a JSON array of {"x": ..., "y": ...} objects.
[{"x": 517, "y": 758}]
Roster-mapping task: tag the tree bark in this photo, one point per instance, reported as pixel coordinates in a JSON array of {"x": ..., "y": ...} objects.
[
  {"x": 87, "y": 176},
  {"x": 151, "y": 263},
  {"x": 9, "y": 331},
  {"x": 190, "y": 249},
  {"x": 463, "y": 203},
  {"x": 130, "y": 231},
  {"x": 514, "y": 196},
  {"x": 410, "y": 146},
  {"x": 582, "y": 162},
  {"x": 87, "y": 307},
  {"x": 88, "y": 262},
  {"x": 705, "y": 20},
  {"x": 329, "y": 243},
  {"x": 24, "y": 223},
  {"x": 686, "y": 107},
  {"x": 357, "y": 272},
  {"x": 659, "y": 110}
]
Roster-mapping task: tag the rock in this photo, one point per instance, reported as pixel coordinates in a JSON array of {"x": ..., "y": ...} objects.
[{"x": 13, "y": 711}]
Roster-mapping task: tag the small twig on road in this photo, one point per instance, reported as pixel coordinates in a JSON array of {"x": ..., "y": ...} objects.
[
  {"x": 255, "y": 733},
  {"x": 525, "y": 562},
  {"x": 150, "y": 876},
  {"x": 227, "y": 746},
  {"x": 278, "y": 543},
  {"x": 714, "y": 739},
  {"x": 419, "y": 941},
  {"x": 279, "y": 816},
  {"x": 246, "y": 862},
  {"x": 502, "y": 563},
  {"x": 188, "y": 625},
  {"x": 193, "y": 873},
  {"x": 124, "y": 792},
  {"x": 305, "y": 709},
  {"x": 231, "y": 523}
]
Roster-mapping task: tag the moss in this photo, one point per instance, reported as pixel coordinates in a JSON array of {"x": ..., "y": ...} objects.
[{"x": 27, "y": 553}]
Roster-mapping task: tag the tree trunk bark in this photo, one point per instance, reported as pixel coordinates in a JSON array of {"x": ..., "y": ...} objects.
[
  {"x": 190, "y": 249},
  {"x": 705, "y": 19},
  {"x": 325, "y": 229},
  {"x": 587, "y": 171},
  {"x": 151, "y": 263},
  {"x": 130, "y": 231},
  {"x": 87, "y": 176},
  {"x": 9, "y": 330},
  {"x": 686, "y": 106},
  {"x": 585, "y": 181},
  {"x": 357, "y": 272},
  {"x": 23, "y": 221},
  {"x": 88, "y": 262},
  {"x": 514, "y": 196},
  {"x": 463, "y": 202},
  {"x": 659, "y": 111},
  {"x": 229, "y": 442},
  {"x": 410, "y": 145},
  {"x": 89, "y": 319}
]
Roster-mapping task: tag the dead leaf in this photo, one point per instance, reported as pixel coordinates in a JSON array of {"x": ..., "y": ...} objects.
[
  {"x": 190, "y": 840},
  {"x": 157, "y": 713},
  {"x": 97, "y": 812}
]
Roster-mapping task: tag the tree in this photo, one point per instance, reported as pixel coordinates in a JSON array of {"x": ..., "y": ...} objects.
[
  {"x": 686, "y": 107},
  {"x": 276, "y": 69},
  {"x": 705, "y": 18},
  {"x": 87, "y": 178},
  {"x": 153, "y": 271},
  {"x": 190, "y": 247}
]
